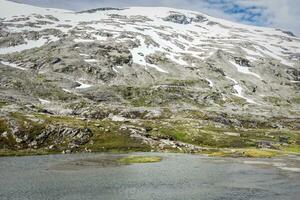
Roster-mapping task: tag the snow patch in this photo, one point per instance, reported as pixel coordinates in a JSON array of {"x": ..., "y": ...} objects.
[
  {"x": 83, "y": 54},
  {"x": 211, "y": 84},
  {"x": 114, "y": 69},
  {"x": 83, "y": 85},
  {"x": 29, "y": 44},
  {"x": 43, "y": 101},
  {"x": 139, "y": 54},
  {"x": 79, "y": 40},
  {"x": 12, "y": 65},
  {"x": 239, "y": 90},
  {"x": 244, "y": 70},
  {"x": 91, "y": 60},
  {"x": 68, "y": 91}
]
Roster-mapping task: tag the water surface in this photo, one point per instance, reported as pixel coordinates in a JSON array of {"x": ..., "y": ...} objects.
[{"x": 178, "y": 176}]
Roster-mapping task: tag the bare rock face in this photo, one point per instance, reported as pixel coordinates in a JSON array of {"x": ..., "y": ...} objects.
[
  {"x": 242, "y": 62},
  {"x": 178, "y": 18}
]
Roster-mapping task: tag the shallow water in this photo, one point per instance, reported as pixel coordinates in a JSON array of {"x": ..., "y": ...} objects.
[{"x": 178, "y": 176}]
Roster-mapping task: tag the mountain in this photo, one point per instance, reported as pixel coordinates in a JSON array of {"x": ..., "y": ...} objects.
[{"x": 143, "y": 78}]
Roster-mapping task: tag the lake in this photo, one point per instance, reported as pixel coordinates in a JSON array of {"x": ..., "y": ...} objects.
[{"x": 177, "y": 176}]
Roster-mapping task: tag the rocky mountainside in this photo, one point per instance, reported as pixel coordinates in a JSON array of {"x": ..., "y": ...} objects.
[{"x": 143, "y": 78}]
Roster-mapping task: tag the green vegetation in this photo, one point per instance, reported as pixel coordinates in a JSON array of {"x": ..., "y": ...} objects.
[
  {"x": 273, "y": 100},
  {"x": 26, "y": 152},
  {"x": 139, "y": 159},
  {"x": 115, "y": 142},
  {"x": 191, "y": 126},
  {"x": 2, "y": 104},
  {"x": 257, "y": 153},
  {"x": 27, "y": 126},
  {"x": 248, "y": 153},
  {"x": 292, "y": 149},
  {"x": 178, "y": 82}
]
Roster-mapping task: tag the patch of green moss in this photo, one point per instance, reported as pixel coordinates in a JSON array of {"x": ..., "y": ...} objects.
[
  {"x": 2, "y": 104},
  {"x": 256, "y": 153},
  {"x": 3, "y": 125},
  {"x": 104, "y": 142},
  {"x": 273, "y": 100},
  {"x": 248, "y": 153},
  {"x": 239, "y": 101},
  {"x": 178, "y": 82},
  {"x": 27, "y": 126},
  {"x": 26, "y": 152},
  {"x": 295, "y": 100},
  {"x": 292, "y": 149},
  {"x": 63, "y": 120}
]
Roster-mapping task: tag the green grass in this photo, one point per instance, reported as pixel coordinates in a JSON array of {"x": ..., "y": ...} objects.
[
  {"x": 26, "y": 152},
  {"x": 248, "y": 153},
  {"x": 188, "y": 128},
  {"x": 292, "y": 149},
  {"x": 2, "y": 104},
  {"x": 257, "y": 153},
  {"x": 139, "y": 159}
]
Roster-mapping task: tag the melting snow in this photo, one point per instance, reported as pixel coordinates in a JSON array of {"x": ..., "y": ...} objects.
[
  {"x": 239, "y": 90},
  {"x": 43, "y": 101},
  {"x": 79, "y": 40},
  {"x": 139, "y": 54},
  {"x": 83, "y": 85},
  {"x": 211, "y": 84},
  {"x": 83, "y": 54},
  {"x": 244, "y": 70},
  {"x": 275, "y": 53},
  {"x": 115, "y": 70},
  {"x": 170, "y": 36},
  {"x": 66, "y": 90},
  {"x": 12, "y": 65},
  {"x": 91, "y": 60},
  {"x": 28, "y": 45}
]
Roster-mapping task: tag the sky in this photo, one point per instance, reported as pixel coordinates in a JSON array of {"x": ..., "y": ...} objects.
[{"x": 283, "y": 14}]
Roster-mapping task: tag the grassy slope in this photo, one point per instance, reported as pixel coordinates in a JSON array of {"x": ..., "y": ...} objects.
[{"x": 107, "y": 136}]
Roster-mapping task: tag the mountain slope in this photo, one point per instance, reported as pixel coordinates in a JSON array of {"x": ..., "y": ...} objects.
[{"x": 117, "y": 64}]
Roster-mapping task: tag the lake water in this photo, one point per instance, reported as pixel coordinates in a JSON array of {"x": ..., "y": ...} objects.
[{"x": 177, "y": 176}]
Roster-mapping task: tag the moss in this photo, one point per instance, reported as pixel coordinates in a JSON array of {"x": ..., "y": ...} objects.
[
  {"x": 273, "y": 100},
  {"x": 3, "y": 126},
  {"x": 175, "y": 133},
  {"x": 2, "y": 104},
  {"x": 256, "y": 153},
  {"x": 238, "y": 101},
  {"x": 295, "y": 100},
  {"x": 27, "y": 126},
  {"x": 193, "y": 114},
  {"x": 292, "y": 149},
  {"x": 139, "y": 159},
  {"x": 218, "y": 154},
  {"x": 63, "y": 120},
  {"x": 178, "y": 82},
  {"x": 9, "y": 141},
  {"x": 248, "y": 153},
  {"x": 27, "y": 152},
  {"x": 104, "y": 142}
]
